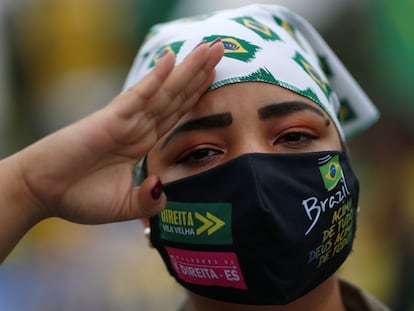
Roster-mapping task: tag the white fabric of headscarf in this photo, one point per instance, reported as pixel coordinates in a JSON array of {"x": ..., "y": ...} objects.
[{"x": 271, "y": 44}]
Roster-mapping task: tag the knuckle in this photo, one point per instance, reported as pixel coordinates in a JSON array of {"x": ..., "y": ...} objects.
[{"x": 170, "y": 93}]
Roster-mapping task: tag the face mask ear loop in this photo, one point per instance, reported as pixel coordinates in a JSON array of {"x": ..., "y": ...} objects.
[{"x": 345, "y": 148}]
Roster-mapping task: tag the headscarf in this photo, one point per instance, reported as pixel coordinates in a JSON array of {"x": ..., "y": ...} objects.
[{"x": 271, "y": 44}]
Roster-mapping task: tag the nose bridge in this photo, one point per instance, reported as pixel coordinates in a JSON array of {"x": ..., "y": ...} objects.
[
  {"x": 251, "y": 142},
  {"x": 249, "y": 134}
]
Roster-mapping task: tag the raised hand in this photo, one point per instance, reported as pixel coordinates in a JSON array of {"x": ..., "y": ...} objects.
[{"x": 83, "y": 173}]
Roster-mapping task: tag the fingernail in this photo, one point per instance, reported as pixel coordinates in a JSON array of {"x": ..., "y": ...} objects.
[
  {"x": 156, "y": 191},
  {"x": 215, "y": 42},
  {"x": 201, "y": 43},
  {"x": 162, "y": 54}
]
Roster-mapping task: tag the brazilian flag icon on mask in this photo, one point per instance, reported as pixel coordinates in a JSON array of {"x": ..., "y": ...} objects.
[{"x": 331, "y": 173}]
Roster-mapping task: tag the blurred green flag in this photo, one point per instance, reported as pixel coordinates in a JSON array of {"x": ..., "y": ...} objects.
[{"x": 393, "y": 31}]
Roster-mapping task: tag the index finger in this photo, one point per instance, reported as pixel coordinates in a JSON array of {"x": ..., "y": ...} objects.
[
  {"x": 183, "y": 87},
  {"x": 165, "y": 82}
]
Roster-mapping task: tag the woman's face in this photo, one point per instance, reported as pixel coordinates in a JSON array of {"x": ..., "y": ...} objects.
[{"x": 237, "y": 119}]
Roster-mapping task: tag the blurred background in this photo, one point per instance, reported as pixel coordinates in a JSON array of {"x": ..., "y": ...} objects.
[{"x": 61, "y": 60}]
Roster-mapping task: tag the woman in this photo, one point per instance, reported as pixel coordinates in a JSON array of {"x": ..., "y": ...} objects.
[{"x": 262, "y": 201}]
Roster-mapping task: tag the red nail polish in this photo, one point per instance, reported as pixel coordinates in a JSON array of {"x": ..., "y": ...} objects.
[
  {"x": 201, "y": 43},
  {"x": 215, "y": 42},
  {"x": 156, "y": 190},
  {"x": 162, "y": 54}
]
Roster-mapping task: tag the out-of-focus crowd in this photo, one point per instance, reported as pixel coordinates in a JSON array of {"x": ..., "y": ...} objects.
[{"x": 60, "y": 60}]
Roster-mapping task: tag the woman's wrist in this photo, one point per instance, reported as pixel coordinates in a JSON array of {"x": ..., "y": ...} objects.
[{"x": 19, "y": 211}]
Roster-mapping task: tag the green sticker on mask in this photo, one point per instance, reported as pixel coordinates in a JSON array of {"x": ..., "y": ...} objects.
[{"x": 197, "y": 223}]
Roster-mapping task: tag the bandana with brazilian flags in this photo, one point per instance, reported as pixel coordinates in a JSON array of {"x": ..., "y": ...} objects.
[{"x": 271, "y": 44}]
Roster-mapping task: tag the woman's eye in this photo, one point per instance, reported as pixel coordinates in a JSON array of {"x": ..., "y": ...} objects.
[
  {"x": 295, "y": 138},
  {"x": 198, "y": 156}
]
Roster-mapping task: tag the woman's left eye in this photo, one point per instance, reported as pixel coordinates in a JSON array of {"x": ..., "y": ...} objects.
[
  {"x": 295, "y": 138},
  {"x": 198, "y": 156}
]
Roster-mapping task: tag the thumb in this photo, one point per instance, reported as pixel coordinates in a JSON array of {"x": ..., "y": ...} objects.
[{"x": 148, "y": 199}]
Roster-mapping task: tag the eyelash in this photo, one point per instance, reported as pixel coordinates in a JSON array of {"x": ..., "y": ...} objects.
[
  {"x": 202, "y": 155},
  {"x": 190, "y": 157},
  {"x": 300, "y": 138}
]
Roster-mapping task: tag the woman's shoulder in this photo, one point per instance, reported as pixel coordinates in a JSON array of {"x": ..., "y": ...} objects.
[{"x": 356, "y": 299}]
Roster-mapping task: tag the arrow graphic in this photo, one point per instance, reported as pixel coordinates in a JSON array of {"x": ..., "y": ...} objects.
[
  {"x": 206, "y": 223},
  {"x": 211, "y": 223},
  {"x": 218, "y": 225}
]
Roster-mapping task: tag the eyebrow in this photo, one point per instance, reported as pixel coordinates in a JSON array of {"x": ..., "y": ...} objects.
[
  {"x": 219, "y": 120},
  {"x": 283, "y": 109}
]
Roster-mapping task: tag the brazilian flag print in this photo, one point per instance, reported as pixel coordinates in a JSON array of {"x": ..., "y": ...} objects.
[
  {"x": 313, "y": 73},
  {"x": 331, "y": 173},
  {"x": 346, "y": 113},
  {"x": 288, "y": 27},
  {"x": 173, "y": 47},
  {"x": 261, "y": 29},
  {"x": 236, "y": 48}
]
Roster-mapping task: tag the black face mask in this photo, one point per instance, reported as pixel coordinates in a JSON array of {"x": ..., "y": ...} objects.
[{"x": 261, "y": 229}]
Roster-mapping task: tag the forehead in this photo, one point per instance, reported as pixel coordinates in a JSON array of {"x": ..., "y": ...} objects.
[{"x": 243, "y": 98}]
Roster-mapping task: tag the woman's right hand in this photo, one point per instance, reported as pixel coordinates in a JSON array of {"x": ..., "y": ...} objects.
[{"x": 83, "y": 173}]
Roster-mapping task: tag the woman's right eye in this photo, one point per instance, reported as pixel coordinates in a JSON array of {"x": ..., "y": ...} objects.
[{"x": 198, "y": 156}]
